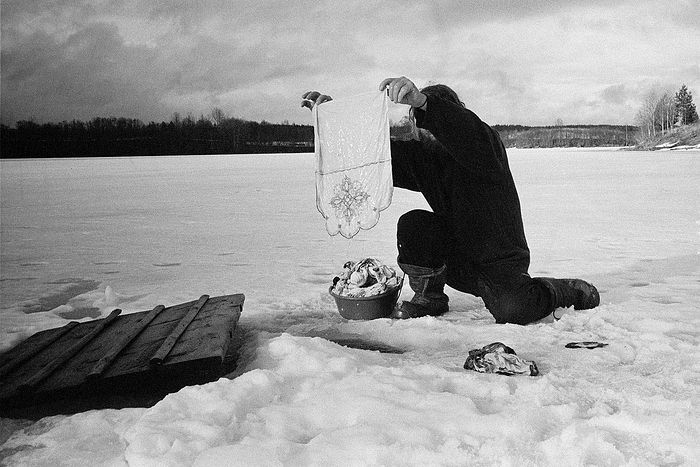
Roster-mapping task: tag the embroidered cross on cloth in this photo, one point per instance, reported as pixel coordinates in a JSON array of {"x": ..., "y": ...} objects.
[{"x": 353, "y": 162}]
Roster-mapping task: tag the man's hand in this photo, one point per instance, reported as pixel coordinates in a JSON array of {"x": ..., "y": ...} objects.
[
  {"x": 403, "y": 91},
  {"x": 311, "y": 98}
]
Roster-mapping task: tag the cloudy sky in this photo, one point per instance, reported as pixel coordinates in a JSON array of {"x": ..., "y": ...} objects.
[{"x": 512, "y": 61}]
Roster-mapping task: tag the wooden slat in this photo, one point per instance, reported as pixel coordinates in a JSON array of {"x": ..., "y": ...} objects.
[
  {"x": 170, "y": 341},
  {"x": 40, "y": 375},
  {"x": 109, "y": 357},
  {"x": 220, "y": 314},
  {"x": 12, "y": 364}
]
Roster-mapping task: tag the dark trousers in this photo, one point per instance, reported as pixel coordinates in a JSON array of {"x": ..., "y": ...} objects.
[{"x": 511, "y": 295}]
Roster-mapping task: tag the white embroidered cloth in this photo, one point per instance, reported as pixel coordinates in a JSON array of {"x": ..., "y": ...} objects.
[{"x": 353, "y": 162}]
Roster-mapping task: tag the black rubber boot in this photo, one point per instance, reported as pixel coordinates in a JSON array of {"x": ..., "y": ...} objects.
[
  {"x": 429, "y": 298},
  {"x": 571, "y": 292}
]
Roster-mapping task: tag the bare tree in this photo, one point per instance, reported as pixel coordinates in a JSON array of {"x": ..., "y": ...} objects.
[
  {"x": 665, "y": 111},
  {"x": 657, "y": 113},
  {"x": 217, "y": 116},
  {"x": 671, "y": 111},
  {"x": 647, "y": 116}
]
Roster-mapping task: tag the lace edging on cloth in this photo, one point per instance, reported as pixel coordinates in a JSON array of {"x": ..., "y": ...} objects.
[{"x": 353, "y": 162}]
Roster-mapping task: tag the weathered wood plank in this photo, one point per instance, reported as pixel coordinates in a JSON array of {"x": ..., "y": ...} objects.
[
  {"x": 197, "y": 356},
  {"x": 47, "y": 357},
  {"x": 210, "y": 340},
  {"x": 220, "y": 313},
  {"x": 32, "y": 351},
  {"x": 130, "y": 335},
  {"x": 9, "y": 384},
  {"x": 32, "y": 382},
  {"x": 170, "y": 341},
  {"x": 75, "y": 370}
]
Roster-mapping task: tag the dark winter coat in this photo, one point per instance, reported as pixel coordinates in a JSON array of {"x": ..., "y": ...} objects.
[{"x": 465, "y": 178}]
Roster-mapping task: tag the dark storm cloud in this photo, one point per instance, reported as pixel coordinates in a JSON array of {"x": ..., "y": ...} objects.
[
  {"x": 91, "y": 73},
  {"x": 516, "y": 60},
  {"x": 213, "y": 66},
  {"x": 206, "y": 49}
]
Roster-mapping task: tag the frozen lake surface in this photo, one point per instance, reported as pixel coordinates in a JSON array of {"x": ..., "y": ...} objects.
[{"x": 81, "y": 237}]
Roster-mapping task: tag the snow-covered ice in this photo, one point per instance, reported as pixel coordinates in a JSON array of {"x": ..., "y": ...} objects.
[{"x": 83, "y": 236}]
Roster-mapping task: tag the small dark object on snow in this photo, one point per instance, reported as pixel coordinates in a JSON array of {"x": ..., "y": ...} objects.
[
  {"x": 585, "y": 345},
  {"x": 501, "y": 359}
]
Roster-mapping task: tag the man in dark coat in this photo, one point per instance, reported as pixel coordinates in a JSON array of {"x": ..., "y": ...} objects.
[{"x": 473, "y": 239}]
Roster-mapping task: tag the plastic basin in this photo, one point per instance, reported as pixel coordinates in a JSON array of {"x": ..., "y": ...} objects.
[{"x": 376, "y": 306}]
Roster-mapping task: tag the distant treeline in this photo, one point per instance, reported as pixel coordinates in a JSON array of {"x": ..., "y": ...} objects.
[
  {"x": 131, "y": 137},
  {"x": 566, "y": 136}
]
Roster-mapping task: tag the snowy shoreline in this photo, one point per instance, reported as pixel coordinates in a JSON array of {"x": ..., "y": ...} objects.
[
  {"x": 293, "y": 154},
  {"x": 574, "y": 149}
]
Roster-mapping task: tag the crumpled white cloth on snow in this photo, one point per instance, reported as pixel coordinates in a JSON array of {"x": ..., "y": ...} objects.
[{"x": 353, "y": 162}]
